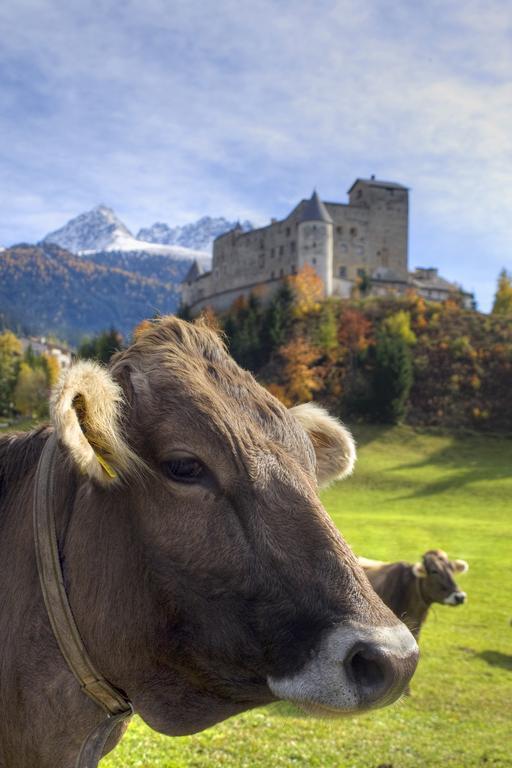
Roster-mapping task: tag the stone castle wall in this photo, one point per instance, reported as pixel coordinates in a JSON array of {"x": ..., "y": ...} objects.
[{"x": 369, "y": 232}]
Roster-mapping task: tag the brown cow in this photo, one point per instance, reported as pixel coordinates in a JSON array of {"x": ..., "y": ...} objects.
[
  {"x": 409, "y": 590},
  {"x": 203, "y": 573}
]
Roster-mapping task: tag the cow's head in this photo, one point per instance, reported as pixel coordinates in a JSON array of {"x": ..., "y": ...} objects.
[
  {"x": 218, "y": 580},
  {"x": 437, "y": 574}
]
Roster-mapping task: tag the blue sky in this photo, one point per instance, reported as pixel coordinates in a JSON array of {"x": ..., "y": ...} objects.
[{"x": 168, "y": 110}]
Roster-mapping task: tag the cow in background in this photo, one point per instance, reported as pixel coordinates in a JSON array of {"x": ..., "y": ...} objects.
[{"x": 410, "y": 589}]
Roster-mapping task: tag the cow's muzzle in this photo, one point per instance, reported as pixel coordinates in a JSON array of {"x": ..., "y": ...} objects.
[
  {"x": 456, "y": 598},
  {"x": 354, "y": 668}
]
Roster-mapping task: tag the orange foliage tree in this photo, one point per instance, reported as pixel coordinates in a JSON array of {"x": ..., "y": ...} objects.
[
  {"x": 300, "y": 374},
  {"x": 355, "y": 330},
  {"x": 308, "y": 290}
]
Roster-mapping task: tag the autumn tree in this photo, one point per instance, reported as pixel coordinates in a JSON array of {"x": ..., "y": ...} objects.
[
  {"x": 308, "y": 290},
  {"x": 301, "y": 375},
  {"x": 51, "y": 368},
  {"x": 503, "y": 297},
  {"x": 399, "y": 324},
  {"x": 31, "y": 392},
  {"x": 10, "y": 353},
  {"x": 354, "y": 330},
  {"x": 139, "y": 329}
]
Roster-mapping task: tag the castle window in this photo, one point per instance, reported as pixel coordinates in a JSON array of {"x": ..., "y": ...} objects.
[
  {"x": 313, "y": 260},
  {"x": 353, "y": 231},
  {"x": 287, "y": 231},
  {"x": 292, "y": 246},
  {"x": 261, "y": 260},
  {"x": 272, "y": 253},
  {"x": 262, "y": 244},
  {"x": 339, "y": 230},
  {"x": 294, "y": 269},
  {"x": 343, "y": 271},
  {"x": 281, "y": 250}
]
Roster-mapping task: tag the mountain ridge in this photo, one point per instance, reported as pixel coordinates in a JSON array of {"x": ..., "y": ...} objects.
[
  {"x": 45, "y": 289},
  {"x": 198, "y": 235},
  {"x": 101, "y": 229}
]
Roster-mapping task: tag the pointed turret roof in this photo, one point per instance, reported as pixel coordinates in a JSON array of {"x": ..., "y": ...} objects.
[
  {"x": 315, "y": 210},
  {"x": 196, "y": 269}
]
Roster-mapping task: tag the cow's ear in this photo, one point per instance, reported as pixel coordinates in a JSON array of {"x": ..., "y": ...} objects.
[
  {"x": 460, "y": 566},
  {"x": 334, "y": 446},
  {"x": 86, "y": 413},
  {"x": 419, "y": 570}
]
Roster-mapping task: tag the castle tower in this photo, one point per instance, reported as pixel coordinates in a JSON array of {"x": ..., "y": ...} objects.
[
  {"x": 386, "y": 242},
  {"x": 315, "y": 240}
]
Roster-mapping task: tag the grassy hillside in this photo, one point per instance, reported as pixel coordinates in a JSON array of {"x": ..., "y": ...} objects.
[{"x": 412, "y": 491}]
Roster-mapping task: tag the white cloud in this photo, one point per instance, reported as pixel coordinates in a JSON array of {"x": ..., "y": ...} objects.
[{"x": 172, "y": 112}]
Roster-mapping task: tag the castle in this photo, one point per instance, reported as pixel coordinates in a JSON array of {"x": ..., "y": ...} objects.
[{"x": 365, "y": 239}]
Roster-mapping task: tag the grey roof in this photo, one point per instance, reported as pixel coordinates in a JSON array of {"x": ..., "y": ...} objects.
[
  {"x": 387, "y": 275},
  {"x": 429, "y": 278},
  {"x": 196, "y": 269},
  {"x": 315, "y": 210},
  {"x": 377, "y": 183}
]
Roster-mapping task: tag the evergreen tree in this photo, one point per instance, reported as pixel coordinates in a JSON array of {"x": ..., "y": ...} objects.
[
  {"x": 101, "y": 347},
  {"x": 327, "y": 331},
  {"x": 277, "y": 319},
  {"x": 392, "y": 377},
  {"x": 184, "y": 312},
  {"x": 503, "y": 298}
]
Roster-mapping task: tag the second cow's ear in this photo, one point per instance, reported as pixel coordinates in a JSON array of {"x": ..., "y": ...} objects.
[
  {"x": 460, "y": 566},
  {"x": 86, "y": 413},
  {"x": 334, "y": 446},
  {"x": 419, "y": 570}
]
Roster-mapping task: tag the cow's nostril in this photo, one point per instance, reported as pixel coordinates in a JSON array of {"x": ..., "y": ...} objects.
[
  {"x": 377, "y": 675},
  {"x": 365, "y": 670}
]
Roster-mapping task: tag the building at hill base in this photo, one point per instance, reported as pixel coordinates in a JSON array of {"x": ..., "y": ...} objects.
[{"x": 362, "y": 242}]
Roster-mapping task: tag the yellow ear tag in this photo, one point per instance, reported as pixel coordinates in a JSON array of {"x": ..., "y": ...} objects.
[{"x": 106, "y": 466}]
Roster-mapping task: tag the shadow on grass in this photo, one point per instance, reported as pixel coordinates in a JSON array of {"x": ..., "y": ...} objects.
[
  {"x": 493, "y": 658},
  {"x": 365, "y": 433},
  {"x": 469, "y": 460},
  {"x": 496, "y": 659}
]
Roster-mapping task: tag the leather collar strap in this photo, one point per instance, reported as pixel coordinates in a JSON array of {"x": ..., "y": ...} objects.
[{"x": 117, "y": 706}]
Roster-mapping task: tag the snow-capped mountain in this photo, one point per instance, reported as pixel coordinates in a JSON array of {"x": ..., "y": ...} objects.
[
  {"x": 198, "y": 235},
  {"x": 101, "y": 231},
  {"x": 94, "y": 230}
]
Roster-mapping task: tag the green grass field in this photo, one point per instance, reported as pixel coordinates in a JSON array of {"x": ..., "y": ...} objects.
[{"x": 413, "y": 490}]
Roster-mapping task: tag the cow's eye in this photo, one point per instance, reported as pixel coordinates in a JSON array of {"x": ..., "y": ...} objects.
[{"x": 184, "y": 469}]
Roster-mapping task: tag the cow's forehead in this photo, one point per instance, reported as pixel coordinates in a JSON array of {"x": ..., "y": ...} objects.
[
  {"x": 232, "y": 402},
  {"x": 436, "y": 555},
  {"x": 189, "y": 373}
]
